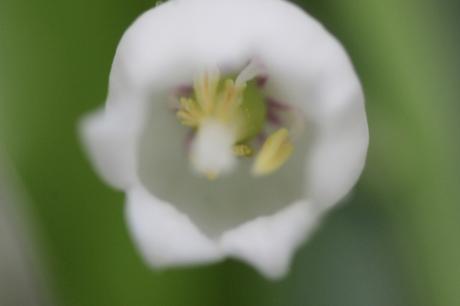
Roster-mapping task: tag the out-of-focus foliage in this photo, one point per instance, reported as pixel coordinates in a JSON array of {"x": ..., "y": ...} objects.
[{"x": 394, "y": 241}]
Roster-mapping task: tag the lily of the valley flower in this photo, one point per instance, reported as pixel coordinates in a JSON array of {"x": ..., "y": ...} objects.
[{"x": 232, "y": 125}]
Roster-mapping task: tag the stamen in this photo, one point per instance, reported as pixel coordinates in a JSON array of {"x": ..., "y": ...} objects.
[
  {"x": 274, "y": 153},
  {"x": 189, "y": 113},
  {"x": 243, "y": 150},
  {"x": 227, "y": 117},
  {"x": 229, "y": 101},
  {"x": 205, "y": 90},
  {"x": 212, "y": 176}
]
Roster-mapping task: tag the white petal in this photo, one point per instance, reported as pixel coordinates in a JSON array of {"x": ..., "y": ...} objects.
[
  {"x": 171, "y": 43},
  {"x": 165, "y": 236},
  {"x": 338, "y": 156},
  {"x": 268, "y": 243},
  {"x": 111, "y": 147}
]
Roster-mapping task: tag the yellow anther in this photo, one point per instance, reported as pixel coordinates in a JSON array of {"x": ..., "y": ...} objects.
[
  {"x": 189, "y": 113},
  {"x": 212, "y": 176},
  {"x": 211, "y": 101},
  {"x": 243, "y": 150},
  {"x": 229, "y": 100},
  {"x": 205, "y": 88},
  {"x": 274, "y": 153}
]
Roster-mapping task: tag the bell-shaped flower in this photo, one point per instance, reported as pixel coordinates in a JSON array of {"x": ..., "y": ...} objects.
[{"x": 232, "y": 126}]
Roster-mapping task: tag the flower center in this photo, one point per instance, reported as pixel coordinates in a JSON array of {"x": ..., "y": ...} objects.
[{"x": 228, "y": 117}]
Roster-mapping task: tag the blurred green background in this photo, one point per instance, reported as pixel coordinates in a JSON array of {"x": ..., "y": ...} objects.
[{"x": 396, "y": 241}]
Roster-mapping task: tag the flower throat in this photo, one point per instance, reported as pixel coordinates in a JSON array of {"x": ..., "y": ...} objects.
[{"x": 229, "y": 117}]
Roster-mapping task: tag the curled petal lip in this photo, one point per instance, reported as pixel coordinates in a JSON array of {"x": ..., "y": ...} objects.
[
  {"x": 266, "y": 242},
  {"x": 305, "y": 65}
]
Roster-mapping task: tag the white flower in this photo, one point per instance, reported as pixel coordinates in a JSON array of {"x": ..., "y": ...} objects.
[{"x": 232, "y": 125}]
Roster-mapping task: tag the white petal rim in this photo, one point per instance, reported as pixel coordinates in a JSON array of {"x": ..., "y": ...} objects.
[
  {"x": 165, "y": 236},
  {"x": 268, "y": 243},
  {"x": 109, "y": 143},
  {"x": 168, "y": 238}
]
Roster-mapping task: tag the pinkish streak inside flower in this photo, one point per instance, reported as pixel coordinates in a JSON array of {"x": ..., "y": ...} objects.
[
  {"x": 261, "y": 81},
  {"x": 184, "y": 91},
  {"x": 276, "y": 105}
]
